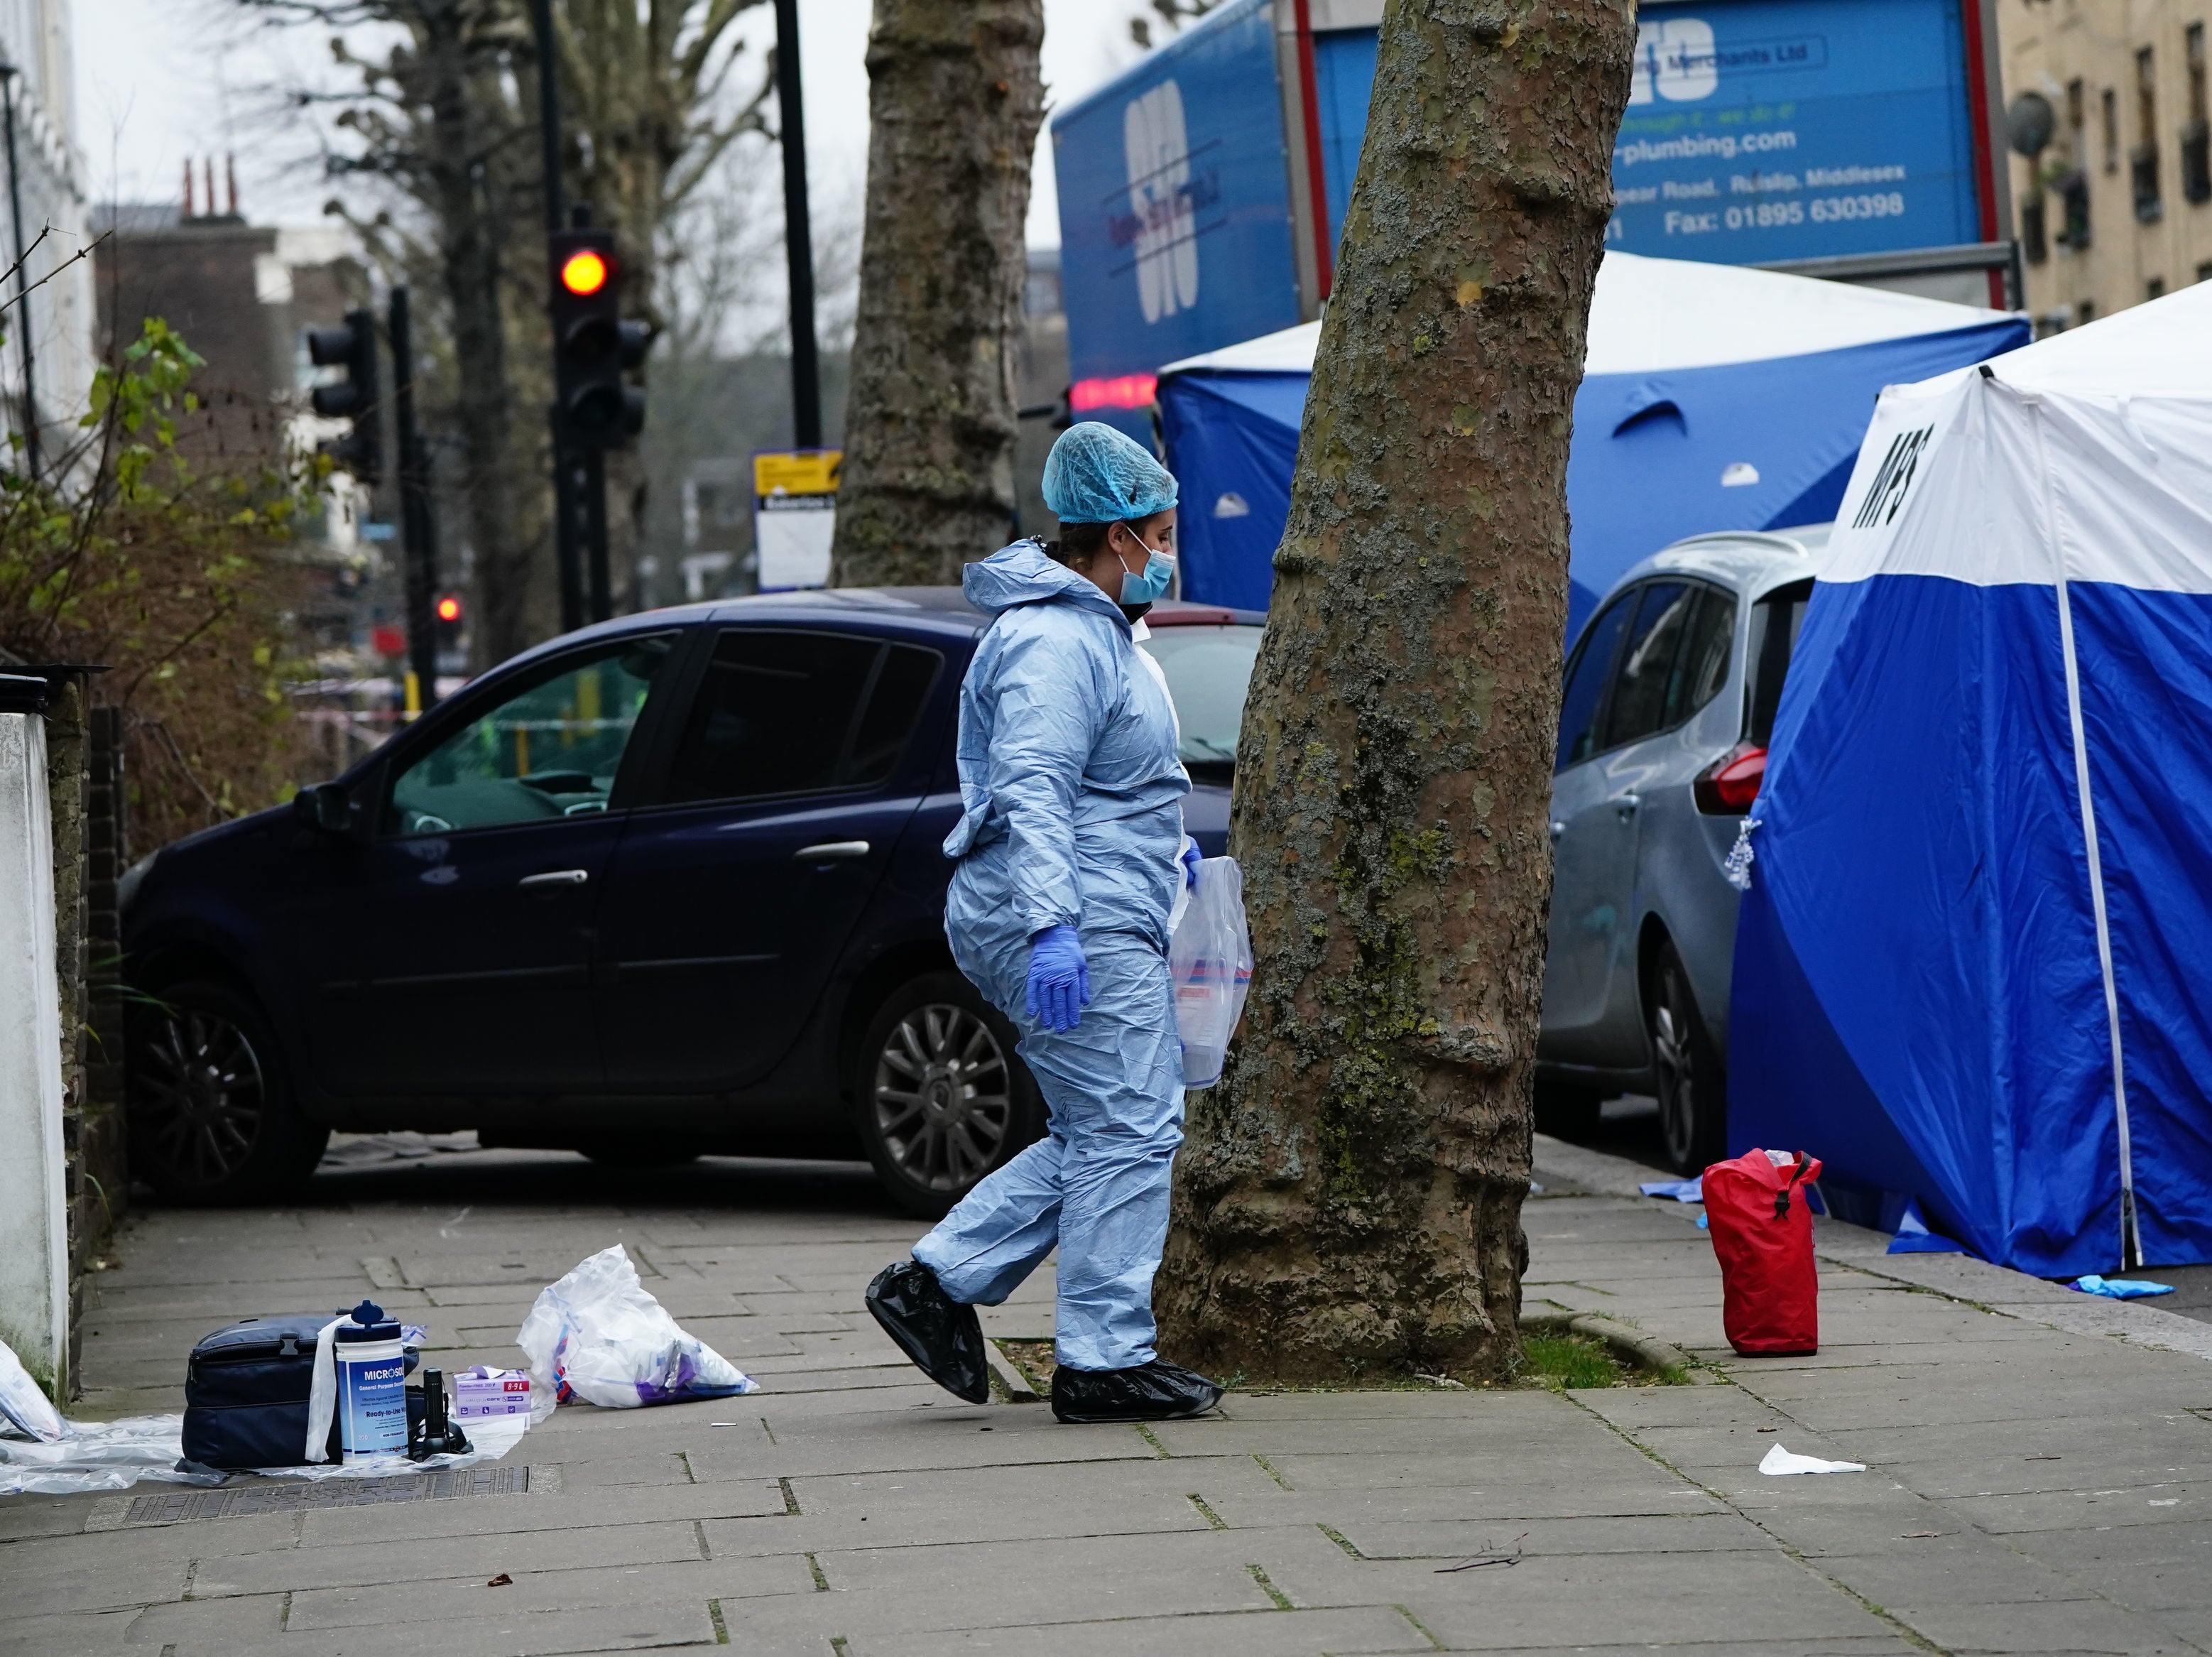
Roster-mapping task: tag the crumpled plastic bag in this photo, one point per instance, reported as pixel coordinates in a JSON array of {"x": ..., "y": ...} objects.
[
  {"x": 2119, "y": 1288},
  {"x": 1210, "y": 960},
  {"x": 1682, "y": 1191},
  {"x": 597, "y": 1336},
  {"x": 23, "y": 1404},
  {"x": 1779, "y": 1461}
]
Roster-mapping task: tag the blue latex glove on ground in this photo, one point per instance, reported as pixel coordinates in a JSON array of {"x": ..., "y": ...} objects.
[
  {"x": 2119, "y": 1288},
  {"x": 1191, "y": 856},
  {"x": 1060, "y": 977}
]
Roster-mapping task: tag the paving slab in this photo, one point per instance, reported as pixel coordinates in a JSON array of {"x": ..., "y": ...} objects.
[{"x": 2040, "y": 1466}]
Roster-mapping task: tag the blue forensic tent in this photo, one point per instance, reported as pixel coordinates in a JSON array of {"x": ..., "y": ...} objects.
[
  {"x": 1714, "y": 398},
  {"x": 1975, "y": 962}
]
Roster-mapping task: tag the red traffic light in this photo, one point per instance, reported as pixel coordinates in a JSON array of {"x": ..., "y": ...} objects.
[
  {"x": 449, "y": 608},
  {"x": 584, "y": 272}
]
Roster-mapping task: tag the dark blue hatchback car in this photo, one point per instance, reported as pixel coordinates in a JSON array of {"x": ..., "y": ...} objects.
[{"x": 668, "y": 885}]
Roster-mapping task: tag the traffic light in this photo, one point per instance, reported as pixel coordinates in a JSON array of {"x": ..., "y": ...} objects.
[
  {"x": 447, "y": 611},
  {"x": 591, "y": 345},
  {"x": 353, "y": 348}
]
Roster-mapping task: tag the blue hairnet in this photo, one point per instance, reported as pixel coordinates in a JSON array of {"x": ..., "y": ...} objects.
[{"x": 1095, "y": 475}]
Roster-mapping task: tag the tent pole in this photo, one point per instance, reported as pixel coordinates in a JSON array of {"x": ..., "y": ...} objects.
[{"x": 2130, "y": 1237}]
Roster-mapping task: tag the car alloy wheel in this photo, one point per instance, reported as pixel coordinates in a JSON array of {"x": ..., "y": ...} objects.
[
  {"x": 941, "y": 1094},
  {"x": 1678, "y": 1080},
  {"x": 200, "y": 1097},
  {"x": 1686, "y": 1073}
]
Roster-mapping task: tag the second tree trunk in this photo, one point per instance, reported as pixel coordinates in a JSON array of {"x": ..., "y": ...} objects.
[{"x": 954, "y": 100}]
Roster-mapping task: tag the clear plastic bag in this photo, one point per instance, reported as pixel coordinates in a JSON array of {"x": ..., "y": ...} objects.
[
  {"x": 597, "y": 1336},
  {"x": 1210, "y": 960},
  {"x": 22, "y": 1402}
]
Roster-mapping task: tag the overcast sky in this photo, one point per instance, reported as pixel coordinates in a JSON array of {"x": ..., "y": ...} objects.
[{"x": 160, "y": 79}]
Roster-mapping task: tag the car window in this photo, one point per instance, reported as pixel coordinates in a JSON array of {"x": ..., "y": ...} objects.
[
  {"x": 782, "y": 713},
  {"x": 1584, "y": 695},
  {"x": 1775, "y": 620},
  {"x": 902, "y": 685},
  {"x": 1646, "y": 681},
  {"x": 1208, "y": 671},
  {"x": 550, "y": 748},
  {"x": 1704, "y": 668}
]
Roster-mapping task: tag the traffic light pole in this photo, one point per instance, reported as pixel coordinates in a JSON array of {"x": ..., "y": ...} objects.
[
  {"x": 567, "y": 551},
  {"x": 594, "y": 472},
  {"x": 566, "y": 542},
  {"x": 797, "y": 231},
  {"x": 417, "y": 545}
]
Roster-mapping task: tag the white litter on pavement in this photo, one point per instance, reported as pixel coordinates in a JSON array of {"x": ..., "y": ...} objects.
[
  {"x": 22, "y": 1404},
  {"x": 1778, "y": 1460}
]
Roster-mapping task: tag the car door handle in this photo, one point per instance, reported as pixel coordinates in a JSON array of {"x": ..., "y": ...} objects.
[
  {"x": 556, "y": 877},
  {"x": 1626, "y": 805},
  {"x": 832, "y": 851}
]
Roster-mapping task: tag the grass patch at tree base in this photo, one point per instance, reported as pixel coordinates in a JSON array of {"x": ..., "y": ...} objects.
[{"x": 1564, "y": 1361}]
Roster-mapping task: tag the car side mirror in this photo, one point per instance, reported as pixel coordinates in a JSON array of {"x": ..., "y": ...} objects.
[{"x": 325, "y": 807}]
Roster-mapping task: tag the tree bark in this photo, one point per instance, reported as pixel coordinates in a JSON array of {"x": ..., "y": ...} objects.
[
  {"x": 1348, "y": 1204},
  {"x": 954, "y": 99}
]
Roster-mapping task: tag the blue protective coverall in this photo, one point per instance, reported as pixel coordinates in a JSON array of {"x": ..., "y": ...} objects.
[{"x": 1073, "y": 796}]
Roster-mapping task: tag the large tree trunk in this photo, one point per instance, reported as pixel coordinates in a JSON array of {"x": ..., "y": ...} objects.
[
  {"x": 1348, "y": 1204},
  {"x": 954, "y": 100}
]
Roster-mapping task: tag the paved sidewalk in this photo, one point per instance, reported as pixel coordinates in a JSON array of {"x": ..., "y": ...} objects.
[{"x": 2040, "y": 1478}]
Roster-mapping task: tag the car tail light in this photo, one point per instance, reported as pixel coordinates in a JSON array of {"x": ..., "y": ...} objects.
[{"x": 1727, "y": 787}]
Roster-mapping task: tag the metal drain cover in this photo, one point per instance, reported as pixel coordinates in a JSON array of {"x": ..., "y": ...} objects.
[{"x": 288, "y": 1496}]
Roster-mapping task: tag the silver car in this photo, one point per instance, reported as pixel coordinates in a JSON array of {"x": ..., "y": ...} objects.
[{"x": 1669, "y": 703}]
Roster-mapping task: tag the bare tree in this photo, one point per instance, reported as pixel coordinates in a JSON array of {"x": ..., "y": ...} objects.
[
  {"x": 446, "y": 122},
  {"x": 954, "y": 101},
  {"x": 1348, "y": 1202}
]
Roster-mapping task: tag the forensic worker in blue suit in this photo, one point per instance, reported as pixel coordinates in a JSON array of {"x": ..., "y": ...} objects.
[{"x": 1072, "y": 863}]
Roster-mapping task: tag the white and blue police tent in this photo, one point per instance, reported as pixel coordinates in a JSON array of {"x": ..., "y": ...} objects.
[
  {"x": 1713, "y": 398},
  {"x": 1975, "y": 962}
]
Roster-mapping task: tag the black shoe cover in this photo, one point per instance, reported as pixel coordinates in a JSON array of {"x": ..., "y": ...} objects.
[
  {"x": 1151, "y": 1392},
  {"x": 942, "y": 1337}
]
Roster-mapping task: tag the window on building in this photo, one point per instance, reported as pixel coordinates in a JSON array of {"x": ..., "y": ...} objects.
[
  {"x": 2110, "y": 111},
  {"x": 2196, "y": 136},
  {"x": 2204, "y": 272},
  {"x": 2073, "y": 184},
  {"x": 2154, "y": 289},
  {"x": 2142, "y": 160},
  {"x": 2085, "y": 312},
  {"x": 2033, "y": 243}
]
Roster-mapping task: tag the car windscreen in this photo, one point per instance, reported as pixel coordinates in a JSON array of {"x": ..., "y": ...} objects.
[{"x": 1208, "y": 669}]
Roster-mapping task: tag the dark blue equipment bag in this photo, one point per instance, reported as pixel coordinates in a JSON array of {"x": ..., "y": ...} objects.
[{"x": 245, "y": 1393}]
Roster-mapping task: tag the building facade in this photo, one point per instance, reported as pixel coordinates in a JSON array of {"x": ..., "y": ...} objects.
[
  {"x": 56, "y": 315},
  {"x": 2114, "y": 206}
]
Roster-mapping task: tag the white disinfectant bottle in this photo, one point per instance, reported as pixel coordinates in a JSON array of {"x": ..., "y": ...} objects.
[{"x": 372, "y": 1391}]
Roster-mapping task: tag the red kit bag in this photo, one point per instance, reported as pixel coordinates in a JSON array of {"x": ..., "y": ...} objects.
[{"x": 1763, "y": 1233}]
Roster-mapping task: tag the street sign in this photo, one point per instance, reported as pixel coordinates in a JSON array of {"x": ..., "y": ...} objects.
[
  {"x": 1760, "y": 131},
  {"x": 794, "y": 517}
]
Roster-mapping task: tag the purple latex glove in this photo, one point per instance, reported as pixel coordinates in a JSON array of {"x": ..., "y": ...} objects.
[
  {"x": 1060, "y": 978},
  {"x": 1191, "y": 856}
]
